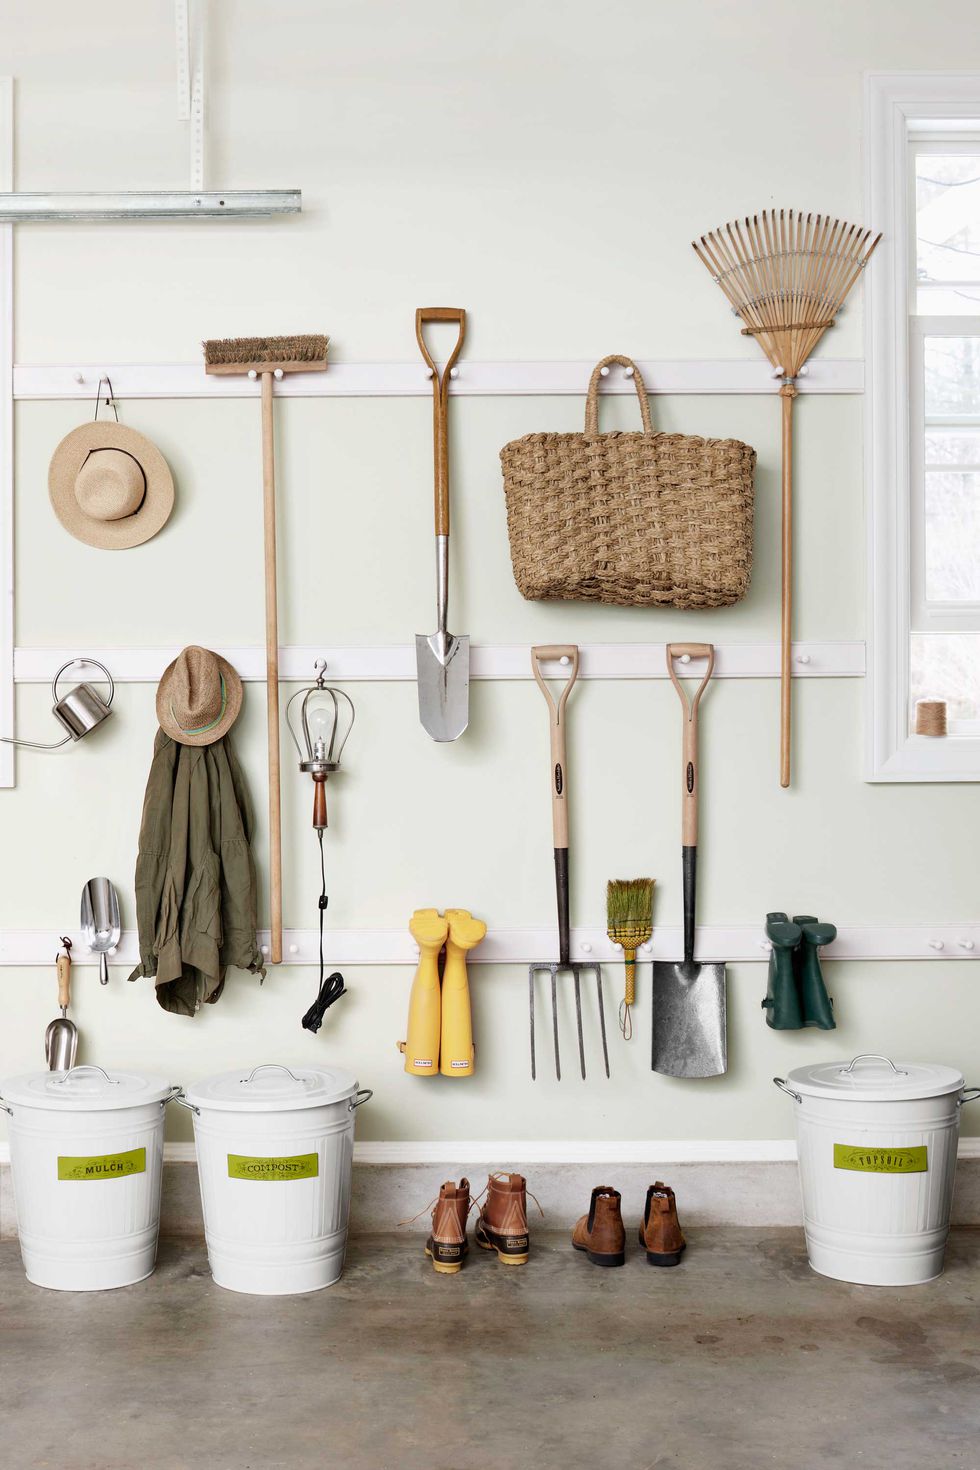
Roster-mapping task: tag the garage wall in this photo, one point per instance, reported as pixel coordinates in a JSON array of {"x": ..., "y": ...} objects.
[{"x": 544, "y": 166}]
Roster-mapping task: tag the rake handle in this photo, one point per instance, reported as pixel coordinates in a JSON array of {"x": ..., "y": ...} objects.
[
  {"x": 787, "y": 393},
  {"x": 272, "y": 668}
]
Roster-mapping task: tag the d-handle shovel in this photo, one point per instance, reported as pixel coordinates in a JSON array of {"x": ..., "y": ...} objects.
[
  {"x": 442, "y": 660},
  {"x": 689, "y": 1000},
  {"x": 559, "y": 817}
]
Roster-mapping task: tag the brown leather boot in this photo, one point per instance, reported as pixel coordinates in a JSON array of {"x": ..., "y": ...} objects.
[
  {"x": 660, "y": 1233},
  {"x": 447, "y": 1244},
  {"x": 502, "y": 1225},
  {"x": 601, "y": 1233}
]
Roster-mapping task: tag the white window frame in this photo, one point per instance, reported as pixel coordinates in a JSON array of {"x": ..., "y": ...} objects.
[{"x": 897, "y": 103}]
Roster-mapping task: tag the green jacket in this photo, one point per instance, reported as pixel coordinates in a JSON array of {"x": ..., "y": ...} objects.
[{"x": 195, "y": 877}]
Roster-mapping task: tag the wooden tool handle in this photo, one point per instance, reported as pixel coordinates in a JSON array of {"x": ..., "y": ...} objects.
[
  {"x": 440, "y": 397},
  {"x": 689, "y": 797},
  {"x": 319, "y": 801},
  {"x": 63, "y": 964},
  {"x": 272, "y": 668},
  {"x": 788, "y": 393},
  {"x": 559, "y": 774}
]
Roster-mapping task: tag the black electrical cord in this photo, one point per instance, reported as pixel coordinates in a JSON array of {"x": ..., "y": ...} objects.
[{"x": 333, "y": 987}]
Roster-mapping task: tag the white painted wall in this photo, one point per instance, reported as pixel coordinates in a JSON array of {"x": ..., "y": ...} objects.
[{"x": 545, "y": 166}]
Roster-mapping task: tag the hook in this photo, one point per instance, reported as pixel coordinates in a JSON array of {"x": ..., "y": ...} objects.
[{"x": 110, "y": 400}]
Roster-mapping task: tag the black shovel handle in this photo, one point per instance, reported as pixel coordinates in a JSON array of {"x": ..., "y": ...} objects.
[{"x": 689, "y": 862}]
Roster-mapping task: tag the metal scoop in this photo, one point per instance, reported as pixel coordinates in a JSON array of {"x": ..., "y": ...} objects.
[
  {"x": 100, "y": 921},
  {"x": 442, "y": 660},
  {"x": 61, "y": 1037}
]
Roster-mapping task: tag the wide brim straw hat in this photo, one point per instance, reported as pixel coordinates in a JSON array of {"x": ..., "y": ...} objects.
[
  {"x": 199, "y": 697},
  {"x": 110, "y": 486}
]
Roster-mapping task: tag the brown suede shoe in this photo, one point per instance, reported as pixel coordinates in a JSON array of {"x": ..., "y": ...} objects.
[
  {"x": 601, "y": 1233},
  {"x": 660, "y": 1233},
  {"x": 447, "y": 1244},
  {"x": 502, "y": 1225}
]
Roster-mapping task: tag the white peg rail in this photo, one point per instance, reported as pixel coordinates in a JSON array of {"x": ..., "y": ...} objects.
[
  {"x": 737, "y": 944},
  {"x": 411, "y": 379},
  {"x": 840, "y": 660}
]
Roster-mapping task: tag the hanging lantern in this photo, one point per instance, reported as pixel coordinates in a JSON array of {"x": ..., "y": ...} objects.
[{"x": 320, "y": 727}]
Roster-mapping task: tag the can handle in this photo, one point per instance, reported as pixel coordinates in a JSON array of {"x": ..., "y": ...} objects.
[
  {"x": 177, "y": 1096},
  {"x": 969, "y": 1094},
  {"x": 85, "y": 1067},
  {"x": 872, "y": 1056},
  {"x": 274, "y": 1067},
  {"x": 360, "y": 1098},
  {"x": 6, "y": 1107},
  {"x": 781, "y": 1084}
]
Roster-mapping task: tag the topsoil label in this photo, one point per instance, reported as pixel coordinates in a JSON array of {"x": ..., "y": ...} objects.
[
  {"x": 106, "y": 1166},
  {"x": 299, "y": 1166},
  {"x": 913, "y": 1160}
]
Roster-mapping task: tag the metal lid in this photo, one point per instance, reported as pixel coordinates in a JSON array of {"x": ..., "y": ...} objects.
[
  {"x": 873, "y": 1078},
  {"x": 273, "y": 1088},
  {"x": 84, "y": 1089}
]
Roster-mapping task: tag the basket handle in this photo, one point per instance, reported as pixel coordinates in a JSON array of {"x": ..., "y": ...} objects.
[{"x": 592, "y": 397}]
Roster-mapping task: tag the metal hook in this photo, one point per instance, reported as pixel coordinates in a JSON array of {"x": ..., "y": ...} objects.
[{"x": 110, "y": 400}]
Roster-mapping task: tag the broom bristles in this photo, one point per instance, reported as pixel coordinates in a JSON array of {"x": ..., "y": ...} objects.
[
  {"x": 629, "y": 902},
  {"x": 231, "y": 351},
  {"x": 786, "y": 275}
]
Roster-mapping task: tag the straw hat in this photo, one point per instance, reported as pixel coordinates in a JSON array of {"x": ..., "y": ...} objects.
[
  {"x": 199, "y": 697},
  {"x": 110, "y": 486}
]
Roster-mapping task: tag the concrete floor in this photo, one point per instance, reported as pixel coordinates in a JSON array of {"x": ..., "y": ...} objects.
[{"x": 740, "y": 1358}]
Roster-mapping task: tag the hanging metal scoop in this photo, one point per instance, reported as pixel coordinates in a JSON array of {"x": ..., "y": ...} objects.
[
  {"x": 100, "y": 921},
  {"x": 61, "y": 1037}
]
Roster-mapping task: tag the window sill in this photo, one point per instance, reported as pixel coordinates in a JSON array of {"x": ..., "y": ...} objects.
[{"x": 932, "y": 758}]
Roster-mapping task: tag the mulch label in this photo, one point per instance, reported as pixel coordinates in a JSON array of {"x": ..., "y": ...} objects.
[{"x": 103, "y": 1166}]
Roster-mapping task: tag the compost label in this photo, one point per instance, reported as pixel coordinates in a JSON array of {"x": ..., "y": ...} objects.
[
  {"x": 103, "y": 1166},
  {"x": 299, "y": 1166},
  {"x": 913, "y": 1160}
]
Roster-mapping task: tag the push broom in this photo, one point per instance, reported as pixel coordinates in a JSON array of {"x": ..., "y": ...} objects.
[
  {"x": 269, "y": 358},
  {"x": 786, "y": 276}
]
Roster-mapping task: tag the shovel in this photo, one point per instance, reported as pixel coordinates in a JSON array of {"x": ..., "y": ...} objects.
[
  {"x": 443, "y": 660},
  {"x": 100, "y": 921},
  {"x": 61, "y": 1037},
  {"x": 689, "y": 1000}
]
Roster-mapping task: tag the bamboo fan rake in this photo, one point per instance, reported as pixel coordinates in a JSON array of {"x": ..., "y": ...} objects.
[{"x": 787, "y": 276}]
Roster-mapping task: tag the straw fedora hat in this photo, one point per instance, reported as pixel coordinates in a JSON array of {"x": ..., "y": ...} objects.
[
  {"x": 199, "y": 697},
  {"x": 110, "y": 486}
]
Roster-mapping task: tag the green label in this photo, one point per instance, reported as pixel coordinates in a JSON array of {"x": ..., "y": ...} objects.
[
  {"x": 914, "y": 1160},
  {"x": 104, "y": 1166},
  {"x": 299, "y": 1166}
]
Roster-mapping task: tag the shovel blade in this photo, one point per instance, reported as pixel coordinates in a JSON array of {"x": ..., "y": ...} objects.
[
  {"x": 443, "y": 664},
  {"x": 690, "y": 1024}
]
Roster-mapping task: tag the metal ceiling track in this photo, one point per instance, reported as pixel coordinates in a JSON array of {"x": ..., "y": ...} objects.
[{"x": 18, "y": 208}]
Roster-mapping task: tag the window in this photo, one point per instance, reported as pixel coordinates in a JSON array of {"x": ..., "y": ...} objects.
[{"x": 923, "y": 388}]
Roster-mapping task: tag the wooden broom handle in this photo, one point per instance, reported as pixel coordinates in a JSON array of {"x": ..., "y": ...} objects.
[
  {"x": 559, "y": 770},
  {"x": 787, "y": 392},
  {"x": 690, "y": 775},
  {"x": 272, "y": 669},
  {"x": 440, "y": 402}
]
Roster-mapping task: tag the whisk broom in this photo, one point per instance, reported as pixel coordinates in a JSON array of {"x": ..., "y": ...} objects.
[
  {"x": 629, "y": 922},
  {"x": 269, "y": 358},
  {"x": 786, "y": 275}
]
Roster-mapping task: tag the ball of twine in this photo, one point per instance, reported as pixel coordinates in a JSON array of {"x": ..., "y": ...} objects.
[{"x": 930, "y": 717}]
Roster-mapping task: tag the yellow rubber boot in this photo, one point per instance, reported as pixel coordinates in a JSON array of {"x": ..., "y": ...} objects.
[
  {"x": 429, "y": 930},
  {"x": 465, "y": 933}
]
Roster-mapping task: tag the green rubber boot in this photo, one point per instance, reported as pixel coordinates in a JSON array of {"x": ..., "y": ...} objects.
[
  {"x": 817, "y": 1006},
  {"x": 782, "y": 1002}
]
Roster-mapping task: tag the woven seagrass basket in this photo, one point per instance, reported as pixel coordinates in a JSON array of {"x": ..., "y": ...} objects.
[{"x": 640, "y": 519}]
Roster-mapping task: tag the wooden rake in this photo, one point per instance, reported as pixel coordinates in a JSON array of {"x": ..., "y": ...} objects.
[{"x": 786, "y": 276}]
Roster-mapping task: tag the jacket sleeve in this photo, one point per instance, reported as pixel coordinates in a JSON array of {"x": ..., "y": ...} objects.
[{"x": 154, "y": 849}]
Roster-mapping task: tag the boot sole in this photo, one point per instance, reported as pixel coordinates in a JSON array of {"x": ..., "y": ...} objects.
[
  {"x": 602, "y": 1258},
  {"x": 443, "y": 1269},
  {"x": 662, "y": 1258},
  {"x": 488, "y": 1242}
]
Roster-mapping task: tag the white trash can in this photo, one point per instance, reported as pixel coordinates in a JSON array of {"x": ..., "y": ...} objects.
[
  {"x": 877, "y": 1153},
  {"x": 86, "y": 1153},
  {"x": 274, "y": 1154}
]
